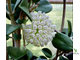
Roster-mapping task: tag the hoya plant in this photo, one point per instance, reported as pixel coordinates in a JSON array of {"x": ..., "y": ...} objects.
[{"x": 39, "y": 32}]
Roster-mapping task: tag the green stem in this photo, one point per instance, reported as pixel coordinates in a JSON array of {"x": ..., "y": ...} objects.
[
  {"x": 16, "y": 43},
  {"x": 63, "y": 18}
]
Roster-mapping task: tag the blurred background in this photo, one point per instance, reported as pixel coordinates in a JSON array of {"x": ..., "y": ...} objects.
[{"x": 56, "y": 17}]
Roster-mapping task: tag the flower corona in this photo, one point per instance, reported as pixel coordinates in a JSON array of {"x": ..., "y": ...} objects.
[{"x": 40, "y": 31}]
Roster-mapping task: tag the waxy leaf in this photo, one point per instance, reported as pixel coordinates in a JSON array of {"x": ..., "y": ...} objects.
[
  {"x": 65, "y": 31},
  {"x": 16, "y": 14},
  {"x": 62, "y": 42},
  {"x": 7, "y": 37},
  {"x": 16, "y": 53},
  {"x": 35, "y": 1},
  {"x": 69, "y": 28},
  {"x": 16, "y": 36},
  {"x": 44, "y": 6},
  {"x": 47, "y": 52},
  {"x": 11, "y": 28},
  {"x": 42, "y": 57},
  {"x": 24, "y": 7}
]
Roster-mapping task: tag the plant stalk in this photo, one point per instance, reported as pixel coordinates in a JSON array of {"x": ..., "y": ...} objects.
[
  {"x": 16, "y": 43},
  {"x": 63, "y": 18}
]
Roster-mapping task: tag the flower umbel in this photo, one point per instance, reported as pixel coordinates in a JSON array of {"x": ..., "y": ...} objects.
[{"x": 40, "y": 31}]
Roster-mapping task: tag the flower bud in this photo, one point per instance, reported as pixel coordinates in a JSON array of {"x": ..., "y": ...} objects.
[
  {"x": 32, "y": 35},
  {"x": 34, "y": 26},
  {"x": 42, "y": 44},
  {"x": 37, "y": 35},
  {"x": 43, "y": 23},
  {"x": 45, "y": 27},
  {"x": 39, "y": 27},
  {"x": 40, "y": 12},
  {"x": 31, "y": 41},
  {"x": 40, "y": 31},
  {"x": 38, "y": 22},
  {"x": 40, "y": 38}
]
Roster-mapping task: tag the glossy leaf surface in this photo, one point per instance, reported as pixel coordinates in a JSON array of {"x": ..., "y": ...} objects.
[
  {"x": 44, "y": 6},
  {"x": 62, "y": 42},
  {"x": 47, "y": 52},
  {"x": 11, "y": 28}
]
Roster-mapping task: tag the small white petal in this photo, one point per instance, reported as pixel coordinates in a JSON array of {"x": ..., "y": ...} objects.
[
  {"x": 43, "y": 23},
  {"x": 45, "y": 31},
  {"x": 34, "y": 26},
  {"x": 35, "y": 38},
  {"x": 34, "y": 18},
  {"x": 28, "y": 30},
  {"x": 53, "y": 26},
  {"x": 53, "y": 34},
  {"x": 48, "y": 29},
  {"x": 31, "y": 40},
  {"x": 34, "y": 31},
  {"x": 44, "y": 36},
  {"x": 28, "y": 26},
  {"x": 32, "y": 35},
  {"x": 39, "y": 27},
  {"x": 40, "y": 38},
  {"x": 38, "y": 22},
  {"x": 42, "y": 44},
  {"x": 33, "y": 23},
  {"x": 37, "y": 35},
  {"x": 49, "y": 24},
  {"x": 43, "y": 18},
  {"x": 40, "y": 31},
  {"x": 40, "y": 12},
  {"x": 45, "y": 27},
  {"x": 50, "y": 21},
  {"x": 46, "y": 21},
  {"x": 47, "y": 17},
  {"x": 44, "y": 14}
]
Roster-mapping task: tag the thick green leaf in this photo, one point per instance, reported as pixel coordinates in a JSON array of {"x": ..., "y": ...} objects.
[
  {"x": 16, "y": 14},
  {"x": 11, "y": 28},
  {"x": 44, "y": 6},
  {"x": 25, "y": 57},
  {"x": 35, "y": 1},
  {"x": 16, "y": 36},
  {"x": 13, "y": 1},
  {"x": 47, "y": 52},
  {"x": 33, "y": 57},
  {"x": 29, "y": 53},
  {"x": 62, "y": 58},
  {"x": 17, "y": 3},
  {"x": 62, "y": 42},
  {"x": 24, "y": 7},
  {"x": 69, "y": 28},
  {"x": 16, "y": 53},
  {"x": 7, "y": 37},
  {"x": 42, "y": 57},
  {"x": 65, "y": 31}
]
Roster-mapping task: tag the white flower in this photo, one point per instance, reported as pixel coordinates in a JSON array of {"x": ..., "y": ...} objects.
[
  {"x": 42, "y": 44},
  {"x": 38, "y": 22},
  {"x": 53, "y": 26},
  {"x": 40, "y": 38},
  {"x": 31, "y": 40},
  {"x": 39, "y": 27},
  {"x": 45, "y": 27},
  {"x": 40, "y": 31},
  {"x": 34, "y": 31},
  {"x": 37, "y": 35},
  {"x": 40, "y": 12},
  {"x": 43, "y": 23},
  {"x": 34, "y": 26},
  {"x": 32, "y": 35}
]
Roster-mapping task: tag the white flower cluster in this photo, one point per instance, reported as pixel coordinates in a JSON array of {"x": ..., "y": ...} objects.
[{"x": 40, "y": 31}]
